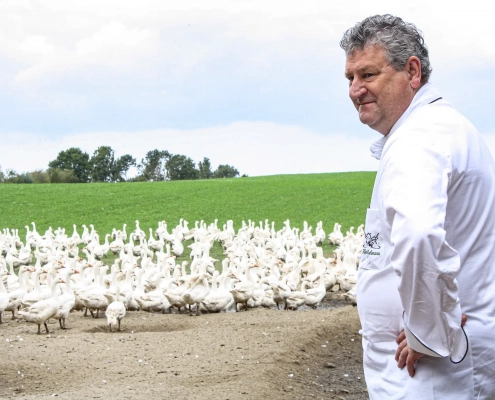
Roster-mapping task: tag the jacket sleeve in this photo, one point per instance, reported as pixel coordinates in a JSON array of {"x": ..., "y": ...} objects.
[{"x": 414, "y": 199}]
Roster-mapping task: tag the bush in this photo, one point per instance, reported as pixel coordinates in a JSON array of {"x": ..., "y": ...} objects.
[
  {"x": 225, "y": 171},
  {"x": 58, "y": 175},
  {"x": 40, "y": 176}
]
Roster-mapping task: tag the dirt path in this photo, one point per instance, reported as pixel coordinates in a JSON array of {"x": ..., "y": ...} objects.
[{"x": 257, "y": 354}]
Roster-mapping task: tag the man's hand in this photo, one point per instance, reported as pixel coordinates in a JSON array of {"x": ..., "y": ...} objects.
[{"x": 405, "y": 356}]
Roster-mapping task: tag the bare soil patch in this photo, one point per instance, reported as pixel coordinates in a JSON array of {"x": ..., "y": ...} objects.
[{"x": 255, "y": 354}]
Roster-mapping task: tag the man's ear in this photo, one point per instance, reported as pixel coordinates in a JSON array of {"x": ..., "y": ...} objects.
[{"x": 413, "y": 68}]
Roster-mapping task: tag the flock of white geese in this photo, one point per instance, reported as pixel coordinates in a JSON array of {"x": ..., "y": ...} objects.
[{"x": 261, "y": 267}]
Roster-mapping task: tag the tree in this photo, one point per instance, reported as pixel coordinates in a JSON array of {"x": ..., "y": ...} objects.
[
  {"x": 102, "y": 163},
  {"x": 121, "y": 166},
  {"x": 73, "y": 159},
  {"x": 152, "y": 167},
  {"x": 180, "y": 167},
  {"x": 205, "y": 169},
  {"x": 225, "y": 171}
]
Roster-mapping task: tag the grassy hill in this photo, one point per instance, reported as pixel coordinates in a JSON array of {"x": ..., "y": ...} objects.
[{"x": 335, "y": 197}]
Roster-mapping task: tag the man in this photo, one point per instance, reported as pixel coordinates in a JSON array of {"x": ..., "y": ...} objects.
[{"x": 429, "y": 261}]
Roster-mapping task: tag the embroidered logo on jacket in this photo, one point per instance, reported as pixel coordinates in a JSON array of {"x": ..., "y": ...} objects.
[{"x": 370, "y": 244}]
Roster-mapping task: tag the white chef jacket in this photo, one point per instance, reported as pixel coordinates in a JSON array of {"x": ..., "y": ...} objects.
[{"x": 428, "y": 257}]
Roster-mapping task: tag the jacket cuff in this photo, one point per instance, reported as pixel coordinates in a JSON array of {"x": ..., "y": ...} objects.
[
  {"x": 415, "y": 344},
  {"x": 458, "y": 352}
]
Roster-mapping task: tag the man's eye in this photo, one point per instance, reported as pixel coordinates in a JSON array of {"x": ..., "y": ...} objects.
[{"x": 367, "y": 76}]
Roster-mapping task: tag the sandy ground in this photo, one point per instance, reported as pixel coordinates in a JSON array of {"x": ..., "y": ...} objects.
[{"x": 255, "y": 354}]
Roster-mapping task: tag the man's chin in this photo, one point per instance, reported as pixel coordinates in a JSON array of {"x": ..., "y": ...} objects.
[{"x": 366, "y": 119}]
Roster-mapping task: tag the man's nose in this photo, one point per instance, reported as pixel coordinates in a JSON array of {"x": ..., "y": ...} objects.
[{"x": 357, "y": 89}]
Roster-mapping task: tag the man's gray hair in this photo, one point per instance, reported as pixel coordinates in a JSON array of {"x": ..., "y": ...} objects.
[{"x": 400, "y": 40}]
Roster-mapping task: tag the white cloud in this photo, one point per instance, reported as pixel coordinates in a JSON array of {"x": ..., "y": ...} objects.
[
  {"x": 114, "y": 46},
  {"x": 50, "y": 38}
]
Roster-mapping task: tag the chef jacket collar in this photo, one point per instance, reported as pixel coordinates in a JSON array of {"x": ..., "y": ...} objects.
[{"x": 426, "y": 95}]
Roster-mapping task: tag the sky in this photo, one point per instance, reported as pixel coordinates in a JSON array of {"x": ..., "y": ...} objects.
[{"x": 255, "y": 84}]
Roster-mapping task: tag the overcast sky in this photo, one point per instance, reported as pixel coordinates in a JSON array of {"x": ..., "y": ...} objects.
[{"x": 256, "y": 84}]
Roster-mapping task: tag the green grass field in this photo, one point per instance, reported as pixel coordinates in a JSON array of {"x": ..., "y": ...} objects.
[{"x": 336, "y": 197}]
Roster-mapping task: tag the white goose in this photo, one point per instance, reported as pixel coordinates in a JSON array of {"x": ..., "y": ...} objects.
[
  {"x": 66, "y": 301},
  {"x": 243, "y": 290},
  {"x": 115, "y": 311},
  {"x": 138, "y": 291},
  {"x": 36, "y": 294},
  {"x": 280, "y": 293},
  {"x": 154, "y": 301},
  {"x": 94, "y": 298},
  {"x": 198, "y": 290},
  {"x": 4, "y": 296},
  {"x": 297, "y": 298},
  {"x": 16, "y": 296},
  {"x": 219, "y": 298},
  {"x": 314, "y": 296},
  {"x": 174, "y": 295},
  {"x": 43, "y": 310}
]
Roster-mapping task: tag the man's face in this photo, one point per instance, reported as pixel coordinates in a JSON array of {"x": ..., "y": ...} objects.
[{"x": 379, "y": 92}]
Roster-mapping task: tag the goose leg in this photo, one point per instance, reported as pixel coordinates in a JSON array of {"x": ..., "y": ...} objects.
[
  {"x": 1, "y": 322},
  {"x": 110, "y": 327},
  {"x": 119, "y": 326},
  {"x": 46, "y": 327},
  {"x": 39, "y": 329},
  {"x": 197, "y": 310},
  {"x": 60, "y": 323}
]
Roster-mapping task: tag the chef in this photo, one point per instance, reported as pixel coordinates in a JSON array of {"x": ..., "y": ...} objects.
[{"x": 426, "y": 283}]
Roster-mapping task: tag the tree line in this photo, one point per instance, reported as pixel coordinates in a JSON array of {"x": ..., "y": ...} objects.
[{"x": 76, "y": 166}]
